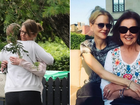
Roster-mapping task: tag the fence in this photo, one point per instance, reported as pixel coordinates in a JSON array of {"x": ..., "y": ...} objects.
[{"x": 55, "y": 92}]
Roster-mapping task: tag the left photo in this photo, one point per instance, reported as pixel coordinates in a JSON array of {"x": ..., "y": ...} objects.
[{"x": 34, "y": 52}]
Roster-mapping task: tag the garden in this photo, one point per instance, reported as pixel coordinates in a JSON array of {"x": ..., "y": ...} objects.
[{"x": 52, "y": 15}]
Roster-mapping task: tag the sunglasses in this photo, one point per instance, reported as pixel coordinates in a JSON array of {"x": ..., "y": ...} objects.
[
  {"x": 133, "y": 29},
  {"x": 101, "y": 25}
]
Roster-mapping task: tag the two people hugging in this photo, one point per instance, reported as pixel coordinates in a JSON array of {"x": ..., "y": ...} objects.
[{"x": 23, "y": 79}]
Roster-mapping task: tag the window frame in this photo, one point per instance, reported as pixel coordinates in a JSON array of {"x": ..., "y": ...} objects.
[{"x": 118, "y": 6}]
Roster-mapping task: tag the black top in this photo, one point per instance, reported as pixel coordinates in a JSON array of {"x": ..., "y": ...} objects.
[{"x": 100, "y": 55}]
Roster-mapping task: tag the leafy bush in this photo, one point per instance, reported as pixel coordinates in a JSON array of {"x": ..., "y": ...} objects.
[
  {"x": 76, "y": 39},
  {"x": 61, "y": 55},
  {"x": 2, "y": 44},
  {"x": 58, "y": 50}
]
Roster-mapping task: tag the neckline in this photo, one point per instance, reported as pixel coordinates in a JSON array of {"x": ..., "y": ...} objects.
[
  {"x": 124, "y": 61},
  {"x": 94, "y": 45}
]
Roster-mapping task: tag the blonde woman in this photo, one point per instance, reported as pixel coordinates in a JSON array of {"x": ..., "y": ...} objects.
[{"x": 90, "y": 94}]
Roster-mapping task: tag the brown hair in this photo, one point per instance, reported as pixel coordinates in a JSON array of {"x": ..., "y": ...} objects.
[
  {"x": 128, "y": 14},
  {"x": 32, "y": 27},
  {"x": 13, "y": 29}
]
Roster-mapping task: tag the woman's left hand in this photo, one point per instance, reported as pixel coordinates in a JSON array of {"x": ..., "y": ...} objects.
[
  {"x": 15, "y": 60},
  {"x": 110, "y": 88}
]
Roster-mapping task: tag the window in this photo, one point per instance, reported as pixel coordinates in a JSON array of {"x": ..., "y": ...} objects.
[{"x": 118, "y": 5}]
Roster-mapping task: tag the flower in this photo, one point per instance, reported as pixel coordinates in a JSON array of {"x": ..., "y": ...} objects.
[
  {"x": 136, "y": 73},
  {"x": 112, "y": 54},
  {"x": 116, "y": 49},
  {"x": 118, "y": 74},
  {"x": 138, "y": 62},
  {"x": 128, "y": 76},
  {"x": 117, "y": 62},
  {"x": 136, "y": 81}
]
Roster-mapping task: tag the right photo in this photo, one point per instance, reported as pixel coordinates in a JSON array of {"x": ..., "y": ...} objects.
[{"x": 105, "y": 52}]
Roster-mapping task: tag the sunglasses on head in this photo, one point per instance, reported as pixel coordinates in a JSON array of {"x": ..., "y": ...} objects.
[
  {"x": 133, "y": 29},
  {"x": 101, "y": 25}
]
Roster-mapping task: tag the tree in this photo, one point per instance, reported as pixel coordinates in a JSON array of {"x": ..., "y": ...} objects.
[{"x": 52, "y": 14}]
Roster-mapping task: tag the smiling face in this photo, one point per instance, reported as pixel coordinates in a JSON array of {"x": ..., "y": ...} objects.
[
  {"x": 129, "y": 38},
  {"x": 99, "y": 32}
]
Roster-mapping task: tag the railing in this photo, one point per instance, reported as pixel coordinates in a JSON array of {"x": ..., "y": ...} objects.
[{"x": 56, "y": 92}]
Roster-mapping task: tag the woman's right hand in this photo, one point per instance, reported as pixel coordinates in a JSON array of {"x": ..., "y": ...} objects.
[
  {"x": 4, "y": 65},
  {"x": 135, "y": 87},
  {"x": 15, "y": 60}
]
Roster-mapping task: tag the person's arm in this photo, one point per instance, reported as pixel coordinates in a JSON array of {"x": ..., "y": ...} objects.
[
  {"x": 130, "y": 93},
  {"x": 98, "y": 69},
  {"x": 112, "y": 88},
  {"x": 4, "y": 66},
  {"x": 117, "y": 93},
  {"x": 111, "y": 91},
  {"x": 39, "y": 71},
  {"x": 42, "y": 55}
]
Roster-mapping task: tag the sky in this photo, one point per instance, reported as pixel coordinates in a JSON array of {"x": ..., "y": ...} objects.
[{"x": 80, "y": 10}]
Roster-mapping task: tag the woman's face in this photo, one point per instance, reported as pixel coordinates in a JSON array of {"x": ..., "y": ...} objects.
[
  {"x": 129, "y": 37},
  {"x": 101, "y": 27},
  {"x": 24, "y": 35}
]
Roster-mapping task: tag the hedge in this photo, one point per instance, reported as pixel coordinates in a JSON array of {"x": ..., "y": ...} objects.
[
  {"x": 58, "y": 50},
  {"x": 76, "y": 39},
  {"x": 61, "y": 54}
]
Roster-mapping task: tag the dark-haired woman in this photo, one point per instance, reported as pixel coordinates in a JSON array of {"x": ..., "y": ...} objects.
[
  {"x": 90, "y": 94},
  {"x": 124, "y": 61}
]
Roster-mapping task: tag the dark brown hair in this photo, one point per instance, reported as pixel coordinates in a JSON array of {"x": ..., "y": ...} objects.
[
  {"x": 128, "y": 14},
  {"x": 32, "y": 27}
]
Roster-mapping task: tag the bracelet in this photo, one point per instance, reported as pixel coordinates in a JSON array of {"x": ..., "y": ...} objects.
[
  {"x": 121, "y": 92},
  {"x": 129, "y": 84}
]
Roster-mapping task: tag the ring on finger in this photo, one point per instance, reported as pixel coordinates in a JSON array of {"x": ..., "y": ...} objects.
[{"x": 108, "y": 90}]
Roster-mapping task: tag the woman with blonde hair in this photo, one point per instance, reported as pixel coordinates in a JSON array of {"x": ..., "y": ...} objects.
[{"x": 101, "y": 22}]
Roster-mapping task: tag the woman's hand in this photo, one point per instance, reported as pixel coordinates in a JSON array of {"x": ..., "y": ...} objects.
[
  {"x": 132, "y": 94},
  {"x": 135, "y": 87},
  {"x": 110, "y": 88},
  {"x": 15, "y": 60},
  {"x": 4, "y": 65}
]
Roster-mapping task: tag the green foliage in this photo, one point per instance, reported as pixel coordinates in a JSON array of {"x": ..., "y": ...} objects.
[
  {"x": 36, "y": 65},
  {"x": 17, "y": 11},
  {"x": 56, "y": 7},
  {"x": 61, "y": 55},
  {"x": 76, "y": 39},
  {"x": 14, "y": 47},
  {"x": 2, "y": 44},
  {"x": 58, "y": 50}
]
